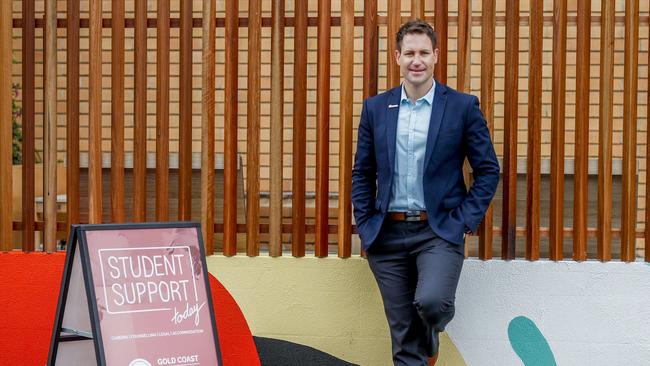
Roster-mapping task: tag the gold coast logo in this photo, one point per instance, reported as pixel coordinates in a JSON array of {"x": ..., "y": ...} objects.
[{"x": 139, "y": 362}]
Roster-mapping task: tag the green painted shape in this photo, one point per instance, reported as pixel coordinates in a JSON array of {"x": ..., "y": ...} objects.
[{"x": 529, "y": 343}]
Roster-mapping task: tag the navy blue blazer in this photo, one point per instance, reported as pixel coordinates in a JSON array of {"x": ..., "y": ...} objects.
[{"x": 457, "y": 130}]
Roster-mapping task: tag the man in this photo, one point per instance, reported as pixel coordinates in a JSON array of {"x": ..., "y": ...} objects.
[{"x": 411, "y": 206}]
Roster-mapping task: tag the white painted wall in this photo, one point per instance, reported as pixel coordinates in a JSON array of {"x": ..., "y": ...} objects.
[{"x": 591, "y": 313}]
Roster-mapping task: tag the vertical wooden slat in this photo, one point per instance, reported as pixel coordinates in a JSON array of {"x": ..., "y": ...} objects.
[
  {"x": 117, "y": 112},
  {"x": 394, "y": 20},
  {"x": 509, "y": 225},
  {"x": 630, "y": 76},
  {"x": 72, "y": 113},
  {"x": 647, "y": 172},
  {"x": 533, "y": 169},
  {"x": 299, "y": 130},
  {"x": 49, "y": 129},
  {"x": 580, "y": 200},
  {"x": 487, "y": 107},
  {"x": 345, "y": 129},
  {"x": 230, "y": 131},
  {"x": 463, "y": 80},
  {"x": 207, "y": 126},
  {"x": 253, "y": 129},
  {"x": 29, "y": 127},
  {"x": 277, "y": 125},
  {"x": 370, "y": 48},
  {"x": 323, "y": 127},
  {"x": 140, "y": 114},
  {"x": 464, "y": 45},
  {"x": 6, "y": 156},
  {"x": 440, "y": 26},
  {"x": 417, "y": 9},
  {"x": 606, "y": 113},
  {"x": 162, "y": 114},
  {"x": 185, "y": 115},
  {"x": 558, "y": 107},
  {"x": 95, "y": 115}
]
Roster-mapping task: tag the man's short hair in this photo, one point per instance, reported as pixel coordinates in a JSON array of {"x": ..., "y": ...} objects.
[{"x": 416, "y": 26}]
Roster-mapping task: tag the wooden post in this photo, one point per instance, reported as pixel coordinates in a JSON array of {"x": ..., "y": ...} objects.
[
  {"x": 323, "y": 128},
  {"x": 394, "y": 22},
  {"x": 557, "y": 129},
  {"x": 277, "y": 125},
  {"x": 117, "y": 112},
  {"x": 299, "y": 130},
  {"x": 606, "y": 113},
  {"x": 29, "y": 126},
  {"x": 207, "y": 126},
  {"x": 230, "y": 130},
  {"x": 185, "y": 115},
  {"x": 441, "y": 24},
  {"x": 95, "y": 115},
  {"x": 140, "y": 115},
  {"x": 253, "y": 129},
  {"x": 580, "y": 192},
  {"x": 49, "y": 129},
  {"x": 533, "y": 176},
  {"x": 345, "y": 129},
  {"x": 6, "y": 128},
  {"x": 370, "y": 48},
  {"x": 631, "y": 73},
  {"x": 162, "y": 113},
  {"x": 509, "y": 225},
  {"x": 417, "y": 9},
  {"x": 487, "y": 107}
]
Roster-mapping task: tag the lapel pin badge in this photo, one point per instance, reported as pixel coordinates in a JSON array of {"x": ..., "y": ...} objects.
[{"x": 393, "y": 105}]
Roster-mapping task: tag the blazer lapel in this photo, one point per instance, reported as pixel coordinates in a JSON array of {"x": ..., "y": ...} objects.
[
  {"x": 437, "y": 112},
  {"x": 390, "y": 121}
]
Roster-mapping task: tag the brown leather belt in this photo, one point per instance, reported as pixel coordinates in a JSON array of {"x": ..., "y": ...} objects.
[{"x": 408, "y": 216}]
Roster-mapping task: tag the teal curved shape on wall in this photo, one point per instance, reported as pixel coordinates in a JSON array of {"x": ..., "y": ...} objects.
[{"x": 529, "y": 343}]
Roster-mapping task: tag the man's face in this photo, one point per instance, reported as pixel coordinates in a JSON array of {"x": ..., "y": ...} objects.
[{"x": 416, "y": 59}]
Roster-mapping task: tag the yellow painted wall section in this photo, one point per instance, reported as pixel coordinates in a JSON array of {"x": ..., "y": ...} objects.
[{"x": 333, "y": 305}]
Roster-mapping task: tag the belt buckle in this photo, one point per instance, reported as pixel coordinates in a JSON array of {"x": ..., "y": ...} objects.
[{"x": 412, "y": 216}]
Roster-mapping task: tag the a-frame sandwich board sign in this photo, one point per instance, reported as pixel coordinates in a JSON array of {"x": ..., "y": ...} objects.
[{"x": 135, "y": 295}]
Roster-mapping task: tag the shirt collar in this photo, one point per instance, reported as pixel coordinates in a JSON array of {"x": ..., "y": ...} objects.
[{"x": 428, "y": 97}]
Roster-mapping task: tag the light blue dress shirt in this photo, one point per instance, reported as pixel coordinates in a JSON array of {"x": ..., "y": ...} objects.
[{"x": 407, "y": 192}]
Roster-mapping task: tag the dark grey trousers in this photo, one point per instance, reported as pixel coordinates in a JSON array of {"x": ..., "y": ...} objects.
[{"x": 417, "y": 273}]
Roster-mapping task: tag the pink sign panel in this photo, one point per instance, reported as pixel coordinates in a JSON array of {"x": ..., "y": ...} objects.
[{"x": 152, "y": 299}]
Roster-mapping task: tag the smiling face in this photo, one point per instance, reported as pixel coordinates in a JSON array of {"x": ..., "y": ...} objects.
[{"x": 416, "y": 61}]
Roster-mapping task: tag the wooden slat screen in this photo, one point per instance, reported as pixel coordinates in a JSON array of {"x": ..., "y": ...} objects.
[{"x": 260, "y": 151}]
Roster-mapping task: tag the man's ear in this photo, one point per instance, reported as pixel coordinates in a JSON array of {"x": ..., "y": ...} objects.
[
  {"x": 397, "y": 53},
  {"x": 436, "y": 53}
]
